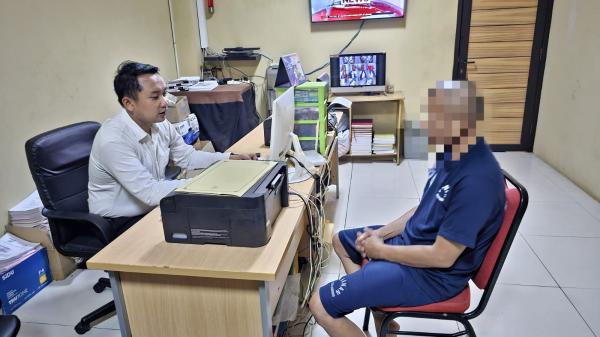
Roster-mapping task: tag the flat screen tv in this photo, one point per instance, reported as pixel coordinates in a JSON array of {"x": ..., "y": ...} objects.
[
  {"x": 357, "y": 73},
  {"x": 350, "y": 10}
]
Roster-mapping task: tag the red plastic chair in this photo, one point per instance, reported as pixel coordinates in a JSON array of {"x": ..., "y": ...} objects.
[{"x": 454, "y": 308}]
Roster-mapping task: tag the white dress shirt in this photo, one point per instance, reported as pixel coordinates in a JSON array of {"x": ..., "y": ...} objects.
[{"x": 127, "y": 166}]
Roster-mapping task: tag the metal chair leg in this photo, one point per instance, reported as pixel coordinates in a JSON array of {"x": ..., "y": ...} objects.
[
  {"x": 366, "y": 320},
  {"x": 86, "y": 322}
]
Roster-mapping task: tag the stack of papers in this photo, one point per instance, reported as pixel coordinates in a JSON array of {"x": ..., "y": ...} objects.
[
  {"x": 28, "y": 213},
  {"x": 13, "y": 250},
  {"x": 384, "y": 143},
  {"x": 204, "y": 86},
  {"x": 362, "y": 136}
]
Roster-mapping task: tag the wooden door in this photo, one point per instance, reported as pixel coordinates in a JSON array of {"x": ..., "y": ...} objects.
[{"x": 501, "y": 46}]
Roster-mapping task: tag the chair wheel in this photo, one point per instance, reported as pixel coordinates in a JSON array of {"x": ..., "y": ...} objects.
[
  {"x": 82, "y": 328},
  {"x": 98, "y": 287}
]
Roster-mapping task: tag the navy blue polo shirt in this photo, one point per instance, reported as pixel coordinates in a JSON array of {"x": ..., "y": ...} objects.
[{"x": 463, "y": 201}]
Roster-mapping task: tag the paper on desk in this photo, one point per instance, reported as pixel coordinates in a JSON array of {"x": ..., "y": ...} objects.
[
  {"x": 228, "y": 177},
  {"x": 340, "y": 101}
]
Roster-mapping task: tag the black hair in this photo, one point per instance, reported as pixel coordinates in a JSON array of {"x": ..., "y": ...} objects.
[{"x": 126, "y": 80}]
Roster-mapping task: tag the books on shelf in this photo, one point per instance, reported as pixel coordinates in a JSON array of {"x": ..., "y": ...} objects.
[
  {"x": 362, "y": 137},
  {"x": 383, "y": 143}
]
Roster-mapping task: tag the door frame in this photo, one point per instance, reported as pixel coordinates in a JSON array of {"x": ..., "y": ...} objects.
[{"x": 537, "y": 65}]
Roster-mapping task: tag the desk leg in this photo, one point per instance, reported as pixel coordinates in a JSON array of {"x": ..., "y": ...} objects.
[
  {"x": 265, "y": 310},
  {"x": 115, "y": 285}
]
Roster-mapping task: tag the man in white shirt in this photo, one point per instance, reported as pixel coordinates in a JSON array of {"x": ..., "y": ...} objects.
[{"x": 132, "y": 149}]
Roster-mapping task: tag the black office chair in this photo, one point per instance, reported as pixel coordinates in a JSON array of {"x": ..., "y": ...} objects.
[
  {"x": 58, "y": 161},
  {"x": 9, "y": 325}
]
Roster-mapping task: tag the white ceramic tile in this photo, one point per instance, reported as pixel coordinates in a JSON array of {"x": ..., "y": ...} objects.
[
  {"x": 52, "y": 330},
  {"x": 332, "y": 265},
  {"x": 345, "y": 174},
  {"x": 383, "y": 180},
  {"x": 576, "y": 194},
  {"x": 524, "y": 311},
  {"x": 418, "y": 169},
  {"x": 65, "y": 302},
  {"x": 369, "y": 211},
  {"x": 411, "y": 324},
  {"x": 335, "y": 209},
  {"x": 587, "y": 302},
  {"x": 572, "y": 261},
  {"x": 566, "y": 218},
  {"x": 541, "y": 189},
  {"x": 523, "y": 267}
]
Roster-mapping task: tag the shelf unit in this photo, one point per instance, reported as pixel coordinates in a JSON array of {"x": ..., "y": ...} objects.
[
  {"x": 233, "y": 57},
  {"x": 385, "y": 119}
]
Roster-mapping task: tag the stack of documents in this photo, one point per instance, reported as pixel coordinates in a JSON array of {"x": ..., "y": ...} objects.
[
  {"x": 28, "y": 213},
  {"x": 13, "y": 250},
  {"x": 204, "y": 86},
  {"x": 362, "y": 136},
  {"x": 383, "y": 143}
]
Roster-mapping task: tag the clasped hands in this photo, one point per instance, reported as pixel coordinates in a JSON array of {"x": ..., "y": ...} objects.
[{"x": 370, "y": 243}]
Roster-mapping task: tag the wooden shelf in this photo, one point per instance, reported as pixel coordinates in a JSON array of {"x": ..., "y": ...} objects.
[
  {"x": 246, "y": 57},
  {"x": 397, "y": 96},
  {"x": 394, "y": 116},
  {"x": 373, "y": 155}
]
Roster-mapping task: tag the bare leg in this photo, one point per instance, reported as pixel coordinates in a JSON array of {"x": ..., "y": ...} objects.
[
  {"x": 349, "y": 266},
  {"x": 378, "y": 319},
  {"x": 335, "y": 327}
]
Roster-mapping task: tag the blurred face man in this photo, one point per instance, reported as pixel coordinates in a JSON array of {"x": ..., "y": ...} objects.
[{"x": 450, "y": 118}]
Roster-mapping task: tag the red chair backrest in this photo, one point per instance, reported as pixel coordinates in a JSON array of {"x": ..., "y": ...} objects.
[{"x": 513, "y": 200}]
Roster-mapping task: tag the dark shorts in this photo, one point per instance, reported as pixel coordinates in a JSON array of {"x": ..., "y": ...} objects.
[{"x": 378, "y": 284}]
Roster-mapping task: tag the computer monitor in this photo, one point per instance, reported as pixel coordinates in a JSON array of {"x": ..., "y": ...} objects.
[
  {"x": 282, "y": 125},
  {"x": 357, "y": 73}
]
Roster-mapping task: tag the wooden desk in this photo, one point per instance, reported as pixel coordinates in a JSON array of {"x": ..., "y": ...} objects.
[{"x": 167, "y": 289}]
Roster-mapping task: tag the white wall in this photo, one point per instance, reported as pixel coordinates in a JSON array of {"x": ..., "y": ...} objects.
[
  {"x": 57, "y": 61},
  {"x": 420, "y": 49},
  {"x": 568, "y": 136}
]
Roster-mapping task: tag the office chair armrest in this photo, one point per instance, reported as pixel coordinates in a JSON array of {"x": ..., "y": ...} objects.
[{"x": 100, "y": 225}]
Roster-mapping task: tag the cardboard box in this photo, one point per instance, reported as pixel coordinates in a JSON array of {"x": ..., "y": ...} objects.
[
  {"x": 179, "y": 112},
  {"x": 60, "y": 265},
  {"x": 182, "y": 127},
  {"x": 20, "y": 283},
  {"x": 204, "y": 145}
]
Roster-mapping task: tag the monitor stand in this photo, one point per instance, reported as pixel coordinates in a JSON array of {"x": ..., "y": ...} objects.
[{"x": 297, "y": 173}]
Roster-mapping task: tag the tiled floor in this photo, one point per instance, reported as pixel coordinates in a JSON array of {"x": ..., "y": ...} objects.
[{"x": 550, "y": 284}]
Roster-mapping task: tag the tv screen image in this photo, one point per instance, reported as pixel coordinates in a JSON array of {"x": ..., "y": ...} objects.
[
  {"x": 358, "y": 70},
  {"x": 364, "y": 72},
  {"x": 349, "y": 10}
]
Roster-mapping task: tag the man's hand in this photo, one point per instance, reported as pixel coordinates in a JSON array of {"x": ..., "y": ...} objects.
[
  {"x": 362, "y": 237},
  {"x": 243, "y": 156},
  {"x": 373, "y": 244}
]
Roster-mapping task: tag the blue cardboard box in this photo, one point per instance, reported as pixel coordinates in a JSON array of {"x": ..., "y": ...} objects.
[{"x": 20, "y": 283}]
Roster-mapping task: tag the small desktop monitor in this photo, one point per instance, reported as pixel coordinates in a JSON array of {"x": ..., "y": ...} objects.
[
  {"x": 357, "y": 73},
  {"x": 282, "y": 125}
]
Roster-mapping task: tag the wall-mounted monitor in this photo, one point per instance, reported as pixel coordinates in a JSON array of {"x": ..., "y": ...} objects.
[
  {"x": 350, "y": 10},
  {"x": 357, "y": 73}
]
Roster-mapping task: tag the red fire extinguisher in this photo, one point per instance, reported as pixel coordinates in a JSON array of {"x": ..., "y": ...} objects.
[{"x": 211, "y": 6}]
